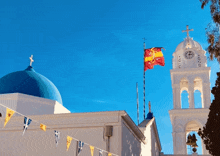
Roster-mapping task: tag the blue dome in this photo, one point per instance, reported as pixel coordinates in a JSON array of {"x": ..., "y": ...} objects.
[{"x": 31, "y": 83}]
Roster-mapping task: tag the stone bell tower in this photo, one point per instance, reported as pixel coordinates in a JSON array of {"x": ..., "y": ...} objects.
[{"x": 189, "y": 73}]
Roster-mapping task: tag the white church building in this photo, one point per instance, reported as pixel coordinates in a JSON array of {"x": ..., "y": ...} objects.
[{"x": 33, "y": 95}]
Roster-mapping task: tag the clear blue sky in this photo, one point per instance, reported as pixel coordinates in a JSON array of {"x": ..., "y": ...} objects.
[{"x": 93, "y": 50}]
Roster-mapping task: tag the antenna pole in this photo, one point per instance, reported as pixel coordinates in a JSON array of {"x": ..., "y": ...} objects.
[{"x": 137, "y": 104}]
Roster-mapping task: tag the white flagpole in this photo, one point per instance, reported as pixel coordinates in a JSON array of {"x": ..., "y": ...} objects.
[{"x": 137, "y": 104}]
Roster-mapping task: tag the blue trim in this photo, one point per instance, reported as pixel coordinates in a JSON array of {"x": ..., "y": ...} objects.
[{"x": 150, "y": 115}]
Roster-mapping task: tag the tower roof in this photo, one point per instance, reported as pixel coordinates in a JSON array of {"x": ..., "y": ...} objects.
[
  {"x": 31, "y": 83},
  {"x": 188, "y": 43}
]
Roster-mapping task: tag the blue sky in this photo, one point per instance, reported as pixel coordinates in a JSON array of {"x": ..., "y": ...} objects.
[{"x": 93, "y": 50}]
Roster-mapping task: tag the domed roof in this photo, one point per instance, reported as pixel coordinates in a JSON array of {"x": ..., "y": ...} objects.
[
  {"x": 188, "y": 43},
  {"x": 31, "y": 83}
]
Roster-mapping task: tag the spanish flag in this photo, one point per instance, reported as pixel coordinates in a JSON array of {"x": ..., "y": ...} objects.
[
  {"x": 153, "y": 56},
  {"x": 9, "y": 114},
  {"x": 109, "y": 154}
]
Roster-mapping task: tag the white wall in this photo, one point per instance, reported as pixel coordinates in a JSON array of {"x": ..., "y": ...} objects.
[
  {"x": 88, "y": 127},
  {"x": 146, "y": 148},
  {"x": 58, "y": 109},
  {"x": 30, "y": 105},
  {"x": 131, "y": 146},
  {"x": 151, "y": 148}
]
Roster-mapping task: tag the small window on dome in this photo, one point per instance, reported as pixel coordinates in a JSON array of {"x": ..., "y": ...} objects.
[
  {"x": 179, "y": 61},
  {"x": 0, "y": 114},
  {"x": 199, "y": 61}
]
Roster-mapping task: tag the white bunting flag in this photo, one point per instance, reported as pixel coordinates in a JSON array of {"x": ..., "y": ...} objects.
[
  {"x": 57, "y": 137},
  {"x": 27, "y": 122},
  {"x": 100, "y": 152},
  {"x": 80, "y": 146}
]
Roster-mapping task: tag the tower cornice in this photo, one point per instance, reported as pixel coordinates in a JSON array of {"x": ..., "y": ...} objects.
[{"x": 194, "y": 70}]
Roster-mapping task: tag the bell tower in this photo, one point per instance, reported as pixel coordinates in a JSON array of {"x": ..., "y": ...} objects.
[{"x": 189, "y": 73}]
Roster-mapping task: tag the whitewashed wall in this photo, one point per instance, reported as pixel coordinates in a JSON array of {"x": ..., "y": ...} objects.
[
  {"x": 131, "y": 145},
  {"x": 146, "y": 149},
  {"x": 30, "y": 105},
  {"x": 87, "y": 127}
]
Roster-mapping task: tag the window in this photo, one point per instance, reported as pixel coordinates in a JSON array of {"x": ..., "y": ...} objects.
[
  {"x": 179, "y": 61},
  {"x": 185, "y": 99},
  {"x": 199, "y": 61},
  {"x": 197, "y": 99}
]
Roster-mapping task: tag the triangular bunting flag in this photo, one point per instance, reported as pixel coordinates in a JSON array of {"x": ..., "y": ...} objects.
[
  {"x": 57, "y": 137},
  {"x": 27, "y": 122},
  {"x": 109, "y": 154},
  {"x": 80, "y": 146},
  {"x": 9, "y": 114},
  {"x": 92, "y": 150},
  {"x": 100, "y": 152},
  {"x": 68, "y": 142},
  {"x": 43, "y": 127}
]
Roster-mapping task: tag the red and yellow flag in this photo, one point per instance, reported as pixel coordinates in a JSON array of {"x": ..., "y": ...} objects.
[
  {"x": 9, "y": 114},
  {"x": 109, "y": 154},
  {"x": 153, "y": 56}
]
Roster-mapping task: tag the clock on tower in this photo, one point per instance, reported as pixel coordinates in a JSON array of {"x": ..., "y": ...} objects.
[{"x": 189, "y": 54}]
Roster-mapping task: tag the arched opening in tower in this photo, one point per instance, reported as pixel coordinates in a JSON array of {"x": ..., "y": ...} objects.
[
  {"x": 191, "y": 128},
  {"x": 197, "y": 99},
  {"x": 198, "y": 142},
  {"x": 184, "y": 99}
]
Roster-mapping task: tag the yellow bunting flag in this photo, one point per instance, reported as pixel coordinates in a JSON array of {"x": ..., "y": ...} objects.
[
  {"x": 43, "y": 127},
  {"x": 68, "y": 142},
  {"x": 109, "y": 154},
  {"x": 9, "y": 114},
  {"x": 92, "y": 150}
]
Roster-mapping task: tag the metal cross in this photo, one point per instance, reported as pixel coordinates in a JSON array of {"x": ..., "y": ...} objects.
[
  {"x": 144, "y": 41},
  {"x": 31, "y": 60},
  {"x": 149, "y": 107},
  {"x": 187, "y": 30}
]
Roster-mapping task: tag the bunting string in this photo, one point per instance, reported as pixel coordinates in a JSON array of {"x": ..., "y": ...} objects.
[{"x": 42, "y": 126}]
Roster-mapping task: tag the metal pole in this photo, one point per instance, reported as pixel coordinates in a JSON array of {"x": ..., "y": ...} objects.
[
  {"x": 137, "y": 104},
  {"x": 144, "y": 81}
]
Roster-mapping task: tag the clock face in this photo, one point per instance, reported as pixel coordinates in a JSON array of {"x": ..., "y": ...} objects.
[{"x": 189, "y": 54}]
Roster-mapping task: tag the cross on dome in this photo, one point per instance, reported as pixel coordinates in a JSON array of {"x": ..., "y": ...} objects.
[
  {"x": 31, "y": 60},
  {"x": 187, "y": 30}
]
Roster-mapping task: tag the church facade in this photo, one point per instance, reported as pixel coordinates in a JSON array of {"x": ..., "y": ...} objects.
[{"x": 32, "y": 95}]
